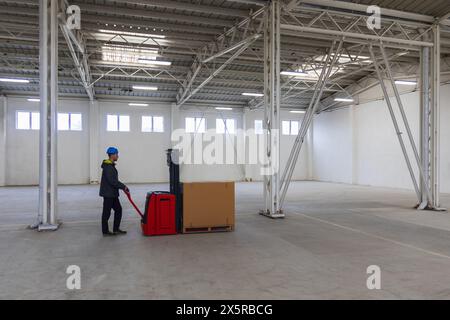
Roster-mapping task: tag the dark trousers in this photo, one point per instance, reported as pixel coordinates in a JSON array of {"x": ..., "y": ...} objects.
[{"x": 114, "y": 204}]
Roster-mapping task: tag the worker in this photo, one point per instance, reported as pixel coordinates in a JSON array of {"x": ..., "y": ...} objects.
[{"x": 109, "y": 190}]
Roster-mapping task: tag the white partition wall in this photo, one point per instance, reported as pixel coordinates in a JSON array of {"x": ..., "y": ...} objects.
[
  {"x": 303, "y": 170},
  {"x": 211, "y": 172},
  {"x": 445, "y": 139},
  {"x": 333, "y": 146},
  {"x": 22, "y": 146},
  {"x": 351, "y": 145},
  {"x": 142, "y": 154},
  {"x": 73, "y": 145},
  {"x": 358, "y": 144}
]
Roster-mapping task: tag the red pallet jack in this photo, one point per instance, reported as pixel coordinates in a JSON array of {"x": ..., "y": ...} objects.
[{"x": 159, "y": 215}]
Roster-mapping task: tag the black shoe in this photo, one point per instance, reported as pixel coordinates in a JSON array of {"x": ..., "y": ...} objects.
[
  {"x": 109, "y": 234},
  {"x": 120, "y": 232}
]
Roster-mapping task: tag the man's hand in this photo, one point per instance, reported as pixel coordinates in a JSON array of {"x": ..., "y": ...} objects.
[{"x": 126, "y": 189}]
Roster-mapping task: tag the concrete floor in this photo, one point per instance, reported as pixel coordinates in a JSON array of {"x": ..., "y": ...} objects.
[{"x": 321, "y": 250}]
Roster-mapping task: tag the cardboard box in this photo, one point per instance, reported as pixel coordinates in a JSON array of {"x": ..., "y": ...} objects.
[{"x": 208, "y": 206}]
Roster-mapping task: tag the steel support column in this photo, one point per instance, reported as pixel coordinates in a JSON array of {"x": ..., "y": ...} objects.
[
  {"x": 272, "y": 92},
  {"x": 395, "y": 122},
  {"x": 435, "y": 116},
  {"x": 174, "y": 120},
  {"x": 308, "y": 118},
  {"x": 94, "y": 145},
  {"x": 48, "y": 70},
  {"x": 3, "y": 121},
  {"x": 423, "y": 180},
  {"x": 425, "y": 123}
]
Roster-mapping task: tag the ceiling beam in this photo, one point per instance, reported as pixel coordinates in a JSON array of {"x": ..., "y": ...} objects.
[
  {"x": 362, "y": 9},
  {"x": 239, "y": 37},
  {"x": 261, "y": 3},
  {"x": 186, "y": 6},
  {"x": 151, "y": 14},
  {"x": 168, "y": 4},
  {"x": 77, "y": 49},
  {"x": 444, "y": 20}
]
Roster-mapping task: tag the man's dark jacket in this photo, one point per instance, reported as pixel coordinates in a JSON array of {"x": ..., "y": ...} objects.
[{"x": 110, "y": 184}]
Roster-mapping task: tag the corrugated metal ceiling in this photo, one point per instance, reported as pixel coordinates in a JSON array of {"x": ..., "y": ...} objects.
[{"x": 186, "y": 29}]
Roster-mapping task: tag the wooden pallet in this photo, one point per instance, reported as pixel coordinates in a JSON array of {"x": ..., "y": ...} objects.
[{"x": 226, "y": 228}]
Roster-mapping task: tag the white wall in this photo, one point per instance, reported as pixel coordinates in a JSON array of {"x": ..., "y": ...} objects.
[
  {"x": 142, "y": 155},
  {"x": 359, "y": 145},
  {"x": 352, "y": 145},
  {"x": 332, "y": 148},
  {"x": 214, "y": 172},
  {"x": 22, "y": 146},
  {"x": 237, "y": 172},
  {"x": 303, "y": 168},
  {"x": 379, "y": 160},
  {"x": 73, "y": 146},
  {"x": 445, "y": 139}
]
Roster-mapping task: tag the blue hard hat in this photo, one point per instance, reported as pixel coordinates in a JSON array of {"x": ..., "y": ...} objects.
[{"x": 112, "y": 150}]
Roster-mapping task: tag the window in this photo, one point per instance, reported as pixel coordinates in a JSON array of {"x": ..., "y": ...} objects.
[
  {"x": 27, "y": 120},
  {"x": 63, "y": 121},
  {"x": 158, "y": 124},
  {"x": 116, "y": 122},
  {"x": 225, "y": 126},
  {"x": 286, "y": 127},
  {"x": 124, "y": 123},
  {"x": 112, "y": 123},
  {"x": 69, "y": 121},
  {"x": 147, "y": 124},
  {"x": 258, "y": 127},
  {"x": 76, "y": 123},
  {"x": 290, "y": 127},
  {"x": 152, "y": 124},
  {"x": 195, "y": 125},
  {"x": 294, "y": 127},
  {"x": 35, "y": 121}
]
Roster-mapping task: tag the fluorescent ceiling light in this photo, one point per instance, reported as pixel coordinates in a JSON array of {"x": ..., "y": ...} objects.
[
  {"x": 253, "y": 94},
  {"x": 145, "y": 88},
  {"x": 14, "y": 80},
  {"x": 134, "y": 104},
  {"x": 34, "y": 99},
  {"x": 406, "y": 83},
  {"x": 343, "y": 99},
  {"x": 133, "y": 34},
  {"x": 297, "y": 111},
  {"x": 223, "y": 108},
  {"x": 293, "y": 73},
  {"x": 155, "y": 62}
]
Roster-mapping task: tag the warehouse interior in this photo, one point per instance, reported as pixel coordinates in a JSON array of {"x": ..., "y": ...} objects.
[{"x": 350, "y": 98}]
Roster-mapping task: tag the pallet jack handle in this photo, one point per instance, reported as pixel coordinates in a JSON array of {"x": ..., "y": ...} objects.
[{"x": 134, "y": 204}]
